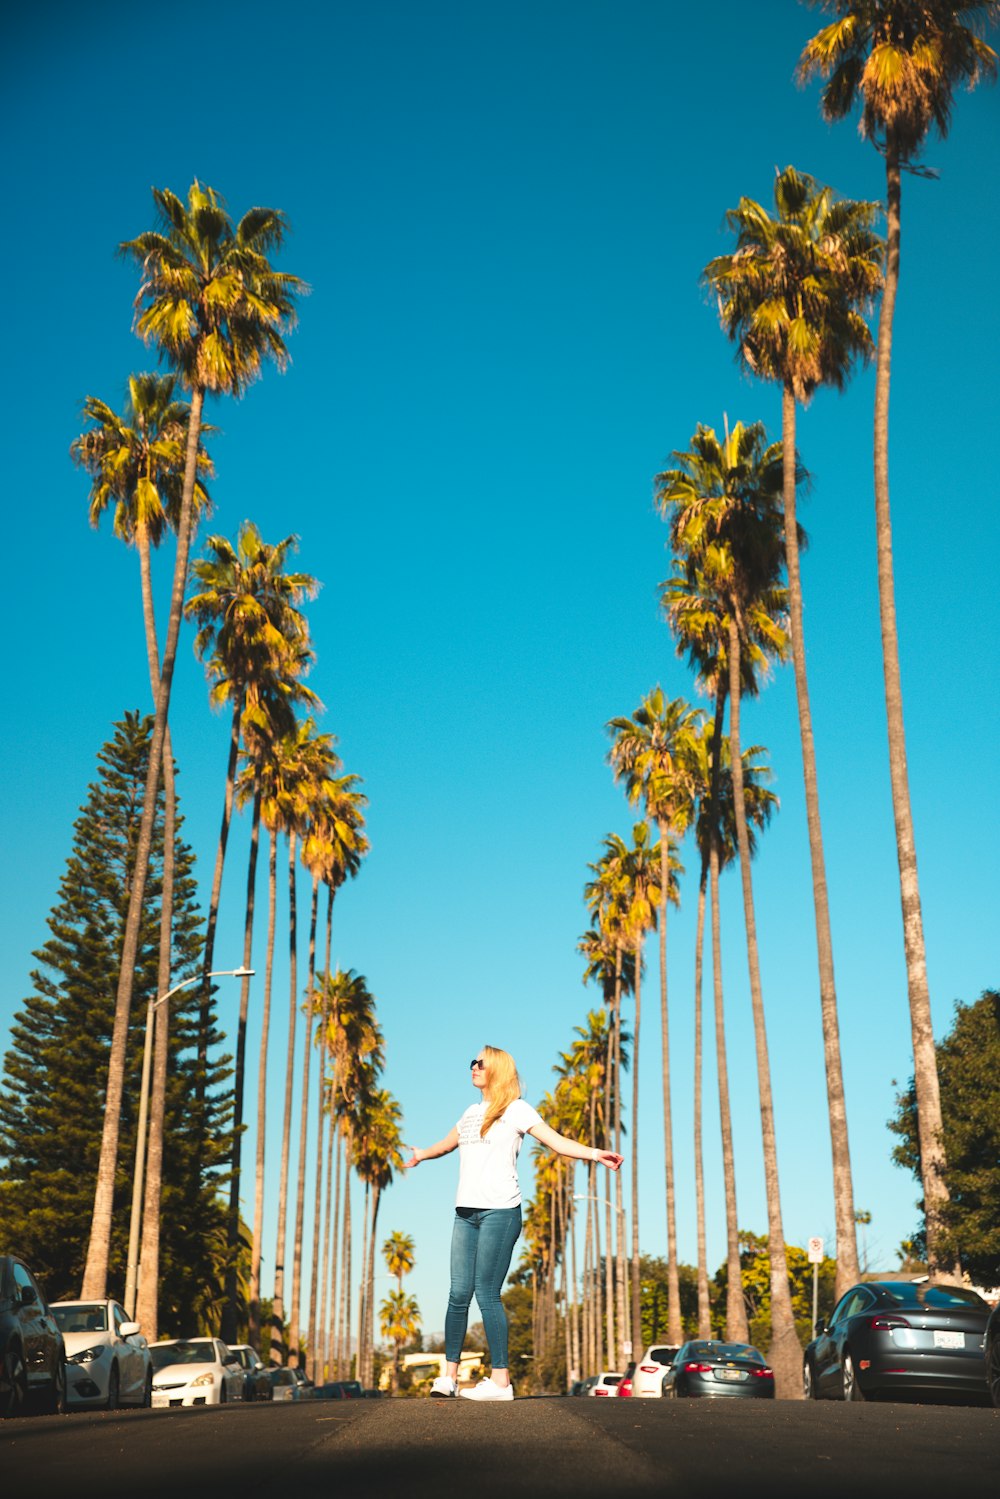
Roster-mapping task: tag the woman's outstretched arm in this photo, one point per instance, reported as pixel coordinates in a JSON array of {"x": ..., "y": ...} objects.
[
  {"x": 572, "y": 1148},
  {"x": 443, "y": 1147}
]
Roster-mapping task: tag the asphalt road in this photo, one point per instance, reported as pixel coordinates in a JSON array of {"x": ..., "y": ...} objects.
[{"x": 549, "y": 1446}]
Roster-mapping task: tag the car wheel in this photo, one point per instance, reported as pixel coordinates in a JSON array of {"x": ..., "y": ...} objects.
[
  {"x": 55, "y": 1400},
  {"x": 114, "y": 1389},
  {"x": 16, "y": 1397},
  {"x": 809, "y": 1390},
  {"x": 852, "y": 1389},
  {"x": 223, "y": 1394},
  {"x": 993, "y": 1372}
]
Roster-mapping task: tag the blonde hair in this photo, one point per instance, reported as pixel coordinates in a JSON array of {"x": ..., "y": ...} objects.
[{"x": 503, "y": 1084}]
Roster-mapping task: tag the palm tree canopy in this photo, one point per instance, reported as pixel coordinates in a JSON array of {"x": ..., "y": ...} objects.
[
  {"x": 794, "y": 293},
  {"x": 136, "y": 459},
  {"x": 209, "y": 297},
  {"x": 903, "y": 59},
  {"x": 760, "y": 801},
  {"x": 249, "y": 625},
  {"x": 398, "y": 1253},
  {"x": 651, "y": 754},
  {"x": 334, "y": 842},
  {"x": 724, "y": 505}
]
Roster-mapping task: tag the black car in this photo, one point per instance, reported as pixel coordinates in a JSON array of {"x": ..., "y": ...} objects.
[
  {"x": 340, "y": 1389},
  {"x": 32, "y": 1351},
  {"x": 897, "y": 1337},
  {"x": 991, "y": 1348},
  {"x": 257, "y": 1384},
  {"x": 715, "y": 1370}
]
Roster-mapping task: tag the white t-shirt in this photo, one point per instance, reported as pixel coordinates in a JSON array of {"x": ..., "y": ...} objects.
[{"x": 487, "y": 1168}]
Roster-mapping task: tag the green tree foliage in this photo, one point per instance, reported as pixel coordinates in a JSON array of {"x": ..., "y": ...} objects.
[
  {"x": 755, "y": 1273},
  {"x": 655, "y": 1284},
  {"x": 968, "y": 1061},
  {"x": 54, "y": 1075}
]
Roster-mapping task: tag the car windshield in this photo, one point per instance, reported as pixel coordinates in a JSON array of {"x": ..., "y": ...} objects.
[
  {"x": 909, "y": 1294},
  {"x": 198, "y": 1351},
  {"x": 282, "y": 1376},
  {"x": 724, "y": 1350},
  {"x": 85, "y": 1317}
]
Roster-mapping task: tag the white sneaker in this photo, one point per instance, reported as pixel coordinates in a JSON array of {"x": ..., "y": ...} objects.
[
  {"x": 488, "y": 1390},
  {"x": 444, "y": 1386}
]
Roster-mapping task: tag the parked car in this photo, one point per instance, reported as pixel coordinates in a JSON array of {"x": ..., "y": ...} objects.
[
  {"x": 624, "y": 1390},
  {"x": 194, "y": 1371},
  {"x": 256, "y": 1385},
  {"x": 899, "y": 1336},
  {"x": 108, "y": 1362},
  {"x": 605, "y": 1383},
  {"x": 991, "y": 1348},
  {"x": 284, "y": 1385},
  {"x": 306, "y": 1387},
  {"x": 339, "y": 1389},
  {"x": 647, "y": 1381},
  {"x": 32, "y": 1351},
  {"x": 715, "y": 1370}
]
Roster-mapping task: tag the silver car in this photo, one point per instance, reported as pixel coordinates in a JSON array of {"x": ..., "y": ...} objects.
[
  {"x": 194, "y": 1371},
  {"x": 107, "y": 1358}
]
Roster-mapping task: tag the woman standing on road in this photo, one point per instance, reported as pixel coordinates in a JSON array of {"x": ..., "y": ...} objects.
[{"x": 488, "y": 1210}]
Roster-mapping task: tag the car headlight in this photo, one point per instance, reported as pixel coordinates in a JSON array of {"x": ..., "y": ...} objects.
[
  {"x": 203, "y": 1379},
  {"x": 86, "y": 1356}
]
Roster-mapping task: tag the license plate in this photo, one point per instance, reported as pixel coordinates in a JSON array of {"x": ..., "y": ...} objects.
[
  {"x": 732, "y": 1376},
  {"x": 949, "y": 1340},
  {"x": 159, "y": 1399}
]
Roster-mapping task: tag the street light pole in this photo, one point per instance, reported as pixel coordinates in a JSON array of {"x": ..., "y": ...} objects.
[{"x": 132, "y": 1266}]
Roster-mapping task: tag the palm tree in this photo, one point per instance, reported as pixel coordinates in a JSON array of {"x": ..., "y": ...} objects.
[
  {"x": 903, "y": 61},
  {"x": 256, "y": 640},
  {"x": 136, "y": 462},
  {"x": 398, "y": 1253},
  {"x": 651, "y": 753},
  {"x": 725, "y": 504},
  {"x": 399, "y": 1318},
  {"x": 793, "y": 297},
  {"x": 377, "y": 1154},
  {"x": 212, "y": 304}
]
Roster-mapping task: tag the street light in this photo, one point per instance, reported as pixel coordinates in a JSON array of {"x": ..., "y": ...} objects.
[{"x": 131, "y": 1271}]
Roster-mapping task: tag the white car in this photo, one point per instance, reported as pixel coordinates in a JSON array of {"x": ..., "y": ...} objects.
[
  {"x": 604, "y": 1383},
  {"x": 108, "y": 1363},
  {"x": 647, "y": 1381},
  {"x": 194, "y": 1371}
]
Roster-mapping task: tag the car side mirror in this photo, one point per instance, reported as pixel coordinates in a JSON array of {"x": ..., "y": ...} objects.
[
  {"x": 29, "y": 1296},
  {"x": 820, "y": 1325},
  {"x": 128, "y": 1329}
]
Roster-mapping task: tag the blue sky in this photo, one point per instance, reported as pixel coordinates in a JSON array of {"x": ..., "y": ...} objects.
[{"x": 503, "y": 211}]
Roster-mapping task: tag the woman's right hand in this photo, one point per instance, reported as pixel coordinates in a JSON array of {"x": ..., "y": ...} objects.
[{"x": 414, "y": 1160}]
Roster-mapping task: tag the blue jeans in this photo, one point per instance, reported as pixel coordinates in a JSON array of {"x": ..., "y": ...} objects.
[{"x": 482, "y": 1242}]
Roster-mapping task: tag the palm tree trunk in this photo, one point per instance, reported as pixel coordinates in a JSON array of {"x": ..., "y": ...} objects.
[
  {"x": 635, "y": 1334},
  {"x": 278, "y": 1315},
  {"x": 344, "y": 1351},
  {"x": 737, "y": 1328},
  {"x": 258, "y": 1200},
  {"x": 673, "y": 1277},
  {"x": 211, "y": 923},
  {"x": 231, "y": 1309},
  {"x": 933, "y": 1164},
  {"x": 300, "y": 1193},
  {"x": 848, "y": 1271},
  {"x": 326, "y": 1304},
  {"x": 147, "y": 1300},
  {"x": 704, "y": 1305},
  {"x": 785, "y": 1353},
  {"x": 95, "y": 1275},
  {"x": 315, "y": 1293},
  {"x": 363, "y": 1290}
]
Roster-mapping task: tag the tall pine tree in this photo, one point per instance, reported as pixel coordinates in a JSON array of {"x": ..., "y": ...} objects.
[{"x": 55, "y": 1073}]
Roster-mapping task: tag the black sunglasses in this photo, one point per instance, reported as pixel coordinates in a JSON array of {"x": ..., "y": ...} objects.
[{"x": 477, "y": 1062}]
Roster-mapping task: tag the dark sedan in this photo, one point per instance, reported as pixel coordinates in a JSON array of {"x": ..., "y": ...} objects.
[
  {"x": 705, "y": 1368},
  {"x": 992, "y": 1351},
  {"x": 32, "y": 1350},
  {"x": 898, "y": 1337}
]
